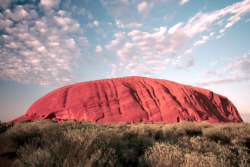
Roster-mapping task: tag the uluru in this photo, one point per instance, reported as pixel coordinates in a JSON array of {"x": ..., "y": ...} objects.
[{"x": 133, "y": 99}]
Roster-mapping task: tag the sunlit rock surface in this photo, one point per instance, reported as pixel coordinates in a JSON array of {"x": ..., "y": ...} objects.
[{"x": 133, "y": 99}]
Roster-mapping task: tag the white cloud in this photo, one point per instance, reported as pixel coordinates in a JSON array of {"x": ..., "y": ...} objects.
[
  {"x": 66, "y": 23},
  {"x": 116, "y": 70},
  {"x": 142, "y": 7},
  {"x": 151, "y": 47},
  {"x": 96, "y": 23},
  {"x": 202, "y": 41},
  {"x": 69, "y": 43},
  {"x": 187, "y": 52},
  {"x": 62, "y": 12},
  {"x": 83, "y": 42},
  {"x": 48, "y": 4},
  {"x": 202, "y": 21},
  {"x": 33, "y": 42},
  {"x": 148, "y": 68},
  {"x": 219, "y": 36},
  {"x": 121, "y": 10},
  {"x": 212, "y": 73},
  {"x": 220, "y": 81},
  {"x": 128, "y": 11},
  {"x": 167, "y": 17},
  {"x": 13, "y": 45},
  {"x": 126, "y": 51},
  {"x": 242, "y": 63},
  {"x": 175, "y": 41},
  {"x": 211, "y": 34},
  {"x": 187, "y": 64},
  {"x": 5, "y": 23},
  {"x": 18, "y": 14},
  {"x": 77, "y": 10},
  {"x": 232, "y": 20},
  {"x": 119, "y": 24},
  {"x": 238, "y": 70},
  {"x": 183, "y": 2},
  {"x": 63, "y": 20},
  {"x": 115, "y": 44},
  {"x": 175, "y": 27},
  {"x": 146, "y": 42},
  {"x": 40, "y": 50},
  {"x": 98, "y": 49},
  {"x": 214, "y": 63},
  {"x": 158, "y": 62},
  {"x": 5, "y": 3},
  {"x": 181, "y": 33},
  {"x": 133, "y": 25}
]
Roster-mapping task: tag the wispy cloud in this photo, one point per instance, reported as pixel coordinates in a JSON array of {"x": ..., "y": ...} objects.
[
  {"x": 202, "y": 41},
  {"x": 227, "y": 74},
  {"x": 220, "y": 81},
  {"x": 43, "y": 43},
  {"x": 212, "y": 73},
  {"x": 214, "y": 63},
  {"x": 162, "y": 43},
  {"x": 242, "y": 63},
  {"x": 119, "y": 24}
]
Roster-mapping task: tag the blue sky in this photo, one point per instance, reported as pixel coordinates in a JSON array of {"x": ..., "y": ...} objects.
[{"x": 48, "y": 44}]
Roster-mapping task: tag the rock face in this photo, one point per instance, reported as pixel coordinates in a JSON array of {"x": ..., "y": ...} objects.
[{"x": 133, "y": 99}]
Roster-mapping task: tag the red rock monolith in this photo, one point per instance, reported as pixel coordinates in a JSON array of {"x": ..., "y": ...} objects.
[{"x": 133, "y": 99}]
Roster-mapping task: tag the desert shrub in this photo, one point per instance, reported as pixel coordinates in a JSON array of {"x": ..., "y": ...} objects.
[
  {"x": 79, "y": 148},
  {"x": 17, "y": 163},
  {"x": 164, "y": 155},
  {"x": 195, "y": 159},
  {"x": 203, "y": 145},
  {"x": 38, "y": 157},
  {"x": 190, "y": 128},
  {"x": 71, "y": 143},
  {"x": 5, "y": 126},
  {"x": 66, "y": 146},
  {"x": 235, "y": 134},
  {"x": 205, "y": 152},
  {"x": 217, "y": 134},
  {"x": 129, "y": 144},
  {"x": 133, "y": 147},
  {"x": 22, "y": 133},
  {"x": 173, "y": 133}
]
